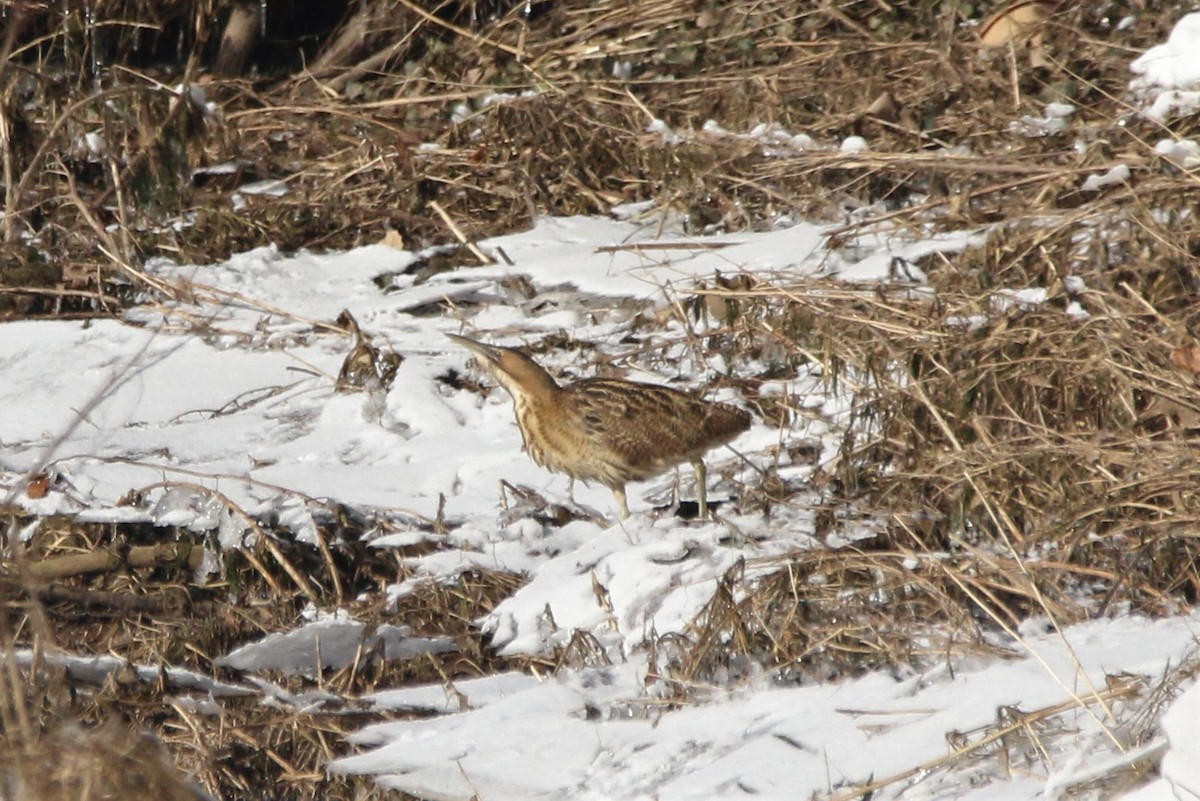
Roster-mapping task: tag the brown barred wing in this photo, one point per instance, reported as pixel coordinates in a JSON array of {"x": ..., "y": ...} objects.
[{"x": 641, "y": 430}]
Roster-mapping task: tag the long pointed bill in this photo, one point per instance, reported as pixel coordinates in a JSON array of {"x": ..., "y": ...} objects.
[{"x": 489, "y": 354}]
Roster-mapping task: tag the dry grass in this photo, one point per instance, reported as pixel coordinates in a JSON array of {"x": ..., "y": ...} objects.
[
  {"x": 1012, "y": 461},
  {"x": 572, "y": 138},
  {"x": 158, "y": 617},
  {"x": 105, "y": 762},
  {"x": 1017, "y": 459}
]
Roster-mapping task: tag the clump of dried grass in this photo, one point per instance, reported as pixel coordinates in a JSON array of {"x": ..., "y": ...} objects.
[
  {"x": 825, "y": 614},
  {"x": 591, "y": 76},
  {"x": 97, "y": 764},
  {"x": 1053, "y": 430},
  {"x": 1018, "y": 457},
  {"x": 151, "y": 612}
]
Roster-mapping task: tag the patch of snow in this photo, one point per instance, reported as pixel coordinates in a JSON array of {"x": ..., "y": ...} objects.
[
  {"x": 1035, "y": 127},
  {"x": 95, "y": 143},
  {"x": 97, "y": 670},
  {"x": 1181, "y": 765},
  {"x": 330, "y": 643},
  {"x": 445, "y": 699},
  {"x": 1119, "y": 174},
  {"x": 271, "y": 187},
  {"x": 1183, "y": 153},
  {"x": 605, "y": 737},
  {"x": 224, "y": 168},
  {"x": 669, "y": 137},
  {"x": 1059, "y": 109},
  {"x": 1074, "y": 284},
  {"x": 854, "y": 144},
  {"x": 1006, "y": 299},
  {"x": 1169, "y": 73},
  {"x": 1176, "y": 63},
  {"x": 1054, "y": 121}
]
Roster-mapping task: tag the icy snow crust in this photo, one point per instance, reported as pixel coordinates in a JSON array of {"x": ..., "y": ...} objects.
[{"x": 528, "y": 740}]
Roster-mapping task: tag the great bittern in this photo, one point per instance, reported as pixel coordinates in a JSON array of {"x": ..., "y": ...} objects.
[{"x": 608, "y": 430}]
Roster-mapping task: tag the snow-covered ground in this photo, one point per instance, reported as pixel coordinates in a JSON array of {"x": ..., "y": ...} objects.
[
  {"x": 223, "y": 403},
  {"x": 594, "y": 734},
  {"x": 222, "y": 408}
]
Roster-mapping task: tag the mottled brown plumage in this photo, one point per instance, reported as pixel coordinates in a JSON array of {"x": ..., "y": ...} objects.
[{"x": 607, "y": 430}]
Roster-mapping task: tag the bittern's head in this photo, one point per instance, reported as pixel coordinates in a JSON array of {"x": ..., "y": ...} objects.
[{"x": 516, "y": 372}]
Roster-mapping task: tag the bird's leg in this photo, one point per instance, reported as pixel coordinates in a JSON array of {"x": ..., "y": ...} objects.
[
  {"x": 701, "y": 491},
  {"x": 619, "y": 494},
  {"x": 571, "y": 488}
]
